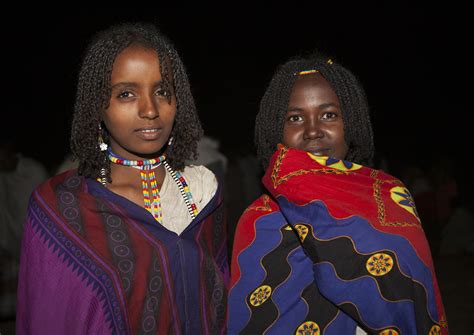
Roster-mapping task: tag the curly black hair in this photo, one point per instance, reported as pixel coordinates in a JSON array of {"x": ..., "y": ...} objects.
[
  {"x": 274, "y": 106},
  {"x": 94, "y": 92}
]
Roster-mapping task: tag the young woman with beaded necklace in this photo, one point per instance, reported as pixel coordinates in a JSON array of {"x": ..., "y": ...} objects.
[{"x": 133, "y": 241}]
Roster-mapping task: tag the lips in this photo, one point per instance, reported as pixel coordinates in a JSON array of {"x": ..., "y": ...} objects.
[
  {"x": 318, "y": 151},
  {"x": 151, "y": 130},
  {"x": 149, "y": 133}
]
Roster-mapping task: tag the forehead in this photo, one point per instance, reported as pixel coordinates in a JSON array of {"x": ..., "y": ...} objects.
[
  {"x": 312, "y": 84},
  {"x": 135, "y": 57},
  {"x": 310, "y": 80}
]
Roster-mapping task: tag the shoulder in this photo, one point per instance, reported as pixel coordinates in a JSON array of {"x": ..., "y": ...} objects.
[
  {"x": 198, "y": 174},
  {"x": 384, "y": 176},
  {"x": 68, "y": 180},
  {"x": 246, "y": 226},
  {"x": 264, "y": 205},
  {"x": 202, "y": 183}
]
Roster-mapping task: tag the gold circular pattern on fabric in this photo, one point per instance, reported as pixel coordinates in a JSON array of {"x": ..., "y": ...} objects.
[
  {"x": 302, "y": 231},
  {"x": 260, "y": 295},
  {"x": 379, "y": 264},
  {"x": 389, "y": 332},
  {"x": 435, "y": 330},
  {"x": 308, "y": 328}
]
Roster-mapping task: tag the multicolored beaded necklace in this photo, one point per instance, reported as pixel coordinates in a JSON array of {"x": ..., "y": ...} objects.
[{"x": 147, "y": 175}]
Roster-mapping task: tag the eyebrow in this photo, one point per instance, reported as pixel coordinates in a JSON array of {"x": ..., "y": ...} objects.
[
  {"x": 323, "y": 106},
  {"x": 132, "y": 84},
  {"x": 295, "y": 109},
  {"x": 327, "y": 105}
]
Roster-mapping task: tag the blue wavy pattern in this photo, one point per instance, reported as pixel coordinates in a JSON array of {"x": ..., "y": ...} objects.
[
  {"x": 356, "y": 291},
  {"x": 252, "y": 272},
  {"x": 292, "y": 307},
  {"x": 366, "y": 239},
  {"x": 342, "y": 324}
]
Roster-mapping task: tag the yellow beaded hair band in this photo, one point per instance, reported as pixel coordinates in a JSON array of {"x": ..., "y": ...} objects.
[{"x": 302, "y": 73}]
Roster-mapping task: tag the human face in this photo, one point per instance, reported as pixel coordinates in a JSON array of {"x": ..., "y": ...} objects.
[
  {"x": 142, "y": 109},
  {"x": 314, "y": 119}
]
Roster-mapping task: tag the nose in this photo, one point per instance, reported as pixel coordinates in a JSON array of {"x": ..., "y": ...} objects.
[
  {"x": 313, "y": 130},
  {"x": 149, "y": 108}
]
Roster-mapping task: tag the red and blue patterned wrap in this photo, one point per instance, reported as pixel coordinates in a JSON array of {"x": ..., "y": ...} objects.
[{"x": 334, "y": 245}]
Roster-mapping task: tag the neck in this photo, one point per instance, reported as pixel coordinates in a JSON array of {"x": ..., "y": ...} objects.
[
  {"x": 124, "y": 171},
  {"x": 138, "y": 163},
  {"x": 122, "y": 175}
]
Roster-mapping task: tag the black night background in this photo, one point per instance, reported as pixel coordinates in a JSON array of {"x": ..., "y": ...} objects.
[{"x": 412, "y": 61}]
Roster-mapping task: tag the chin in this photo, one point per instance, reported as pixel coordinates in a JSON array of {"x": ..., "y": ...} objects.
[
  {"x": 339, "y": 157},
  {"x": 150, "y": 151},
  {"x": 154, "y": 152}
]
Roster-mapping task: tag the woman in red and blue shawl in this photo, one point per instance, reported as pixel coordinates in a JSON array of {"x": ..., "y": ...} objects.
[
  {"x": 334, "y": 246},
  {"x": 134, "y": 240}
]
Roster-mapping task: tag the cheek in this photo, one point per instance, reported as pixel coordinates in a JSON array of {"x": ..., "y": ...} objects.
[
  {"x": 117, "y": 111},
  {"x": 340, "y": 142},
  {"x": 167, "y": 112},
  {"x": 115, "y": 120},
  {"x": 291, "y": 137},
  {"x": 169, "y": 115},
  {"x": 117, "y": 124},
  {"x": 337, "y": 132},
  {"x": 344, "y": 148},
  {"x": 286, "y": 135}
]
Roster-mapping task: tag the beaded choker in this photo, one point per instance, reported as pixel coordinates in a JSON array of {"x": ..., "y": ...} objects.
[{"x": 148, "y": 180}]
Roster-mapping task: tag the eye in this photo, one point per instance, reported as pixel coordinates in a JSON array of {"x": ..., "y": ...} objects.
[
  {"x": 125, "y": 95},
  {"x": 295, "y": 118},
  {"x": 163, "y": 92},
  {"x": 329, "y": 116}
]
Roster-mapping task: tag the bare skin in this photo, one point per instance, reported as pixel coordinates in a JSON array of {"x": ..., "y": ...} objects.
[
  {"x": 139, "y": 118},
  {"x": 314, "y": 120}
]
